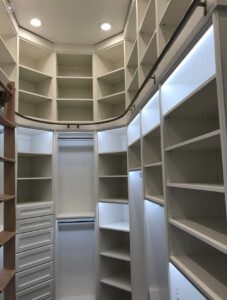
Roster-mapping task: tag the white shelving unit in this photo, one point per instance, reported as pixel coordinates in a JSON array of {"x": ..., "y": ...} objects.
[
  {"x": 35, "y": 220},
  {"x": 134, "y": 144},
  {"x": 114, "y": 250},
  {"x": 36, "y": 70}
]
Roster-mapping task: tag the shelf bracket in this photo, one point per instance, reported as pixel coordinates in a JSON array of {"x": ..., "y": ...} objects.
[{"x": 204, "y": 5}]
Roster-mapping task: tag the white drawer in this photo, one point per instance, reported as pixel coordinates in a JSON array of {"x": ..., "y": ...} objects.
[
  {"x": 26, "y": 225},
  {"x": 41, "y": 291},
  {"x": 34, "y": 276},
  {"x": 32, "y": 210},
  {"x": 34, "y": 239},
  {"x": 33, "y": 258}
]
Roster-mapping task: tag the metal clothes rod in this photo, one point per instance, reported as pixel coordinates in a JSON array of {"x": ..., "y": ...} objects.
[
  {"x": 75, "y": 221},
  {"x": 194, "y": 4}
]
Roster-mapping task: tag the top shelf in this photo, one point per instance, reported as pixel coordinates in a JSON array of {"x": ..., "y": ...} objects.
[{"x": 74, "y": 65}]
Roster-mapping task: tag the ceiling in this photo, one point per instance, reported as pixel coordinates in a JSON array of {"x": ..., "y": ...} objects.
[{"x": 72, "y": 21}]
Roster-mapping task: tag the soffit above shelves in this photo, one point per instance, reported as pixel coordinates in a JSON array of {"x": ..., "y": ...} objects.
[{"x": 72, "y": 21}]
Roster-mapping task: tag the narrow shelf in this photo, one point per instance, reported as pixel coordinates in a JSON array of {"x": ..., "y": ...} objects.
[
  {"x": 5, "y": 277},
  {"x": 150, "y": 54},
  {"x": 124, "y": 201},
  {"x": 5, "y": 198},
  {"x": 33, "y": 178},
  {"x": 6, "y": 57},
  {"x": 119, "y": 280},
  {"x": 118, "y": 226},
  {"x": 198, "y": 186},
  {"x": 70, "y": 102},
  {"x": 121, "y": 253},
  {"x": 75, "y": 77},
  {"x": 113, "y": 176},
  {"x": 7, "y": 160},
  {"x": 135, "y": 168},
  {"x": 209, "y": 140},
  {"x": 30, "y": 97},
  {"x": 197, "y": 269},
  {"x": 32, "y": 154},
  {"x": 148, "y": 23},
  {"x": 153, "y": 165},
  {"x": 7, "y": 123},
  {"x": 134, "y": 83},
  {"x": 112, "y": 98},
  {"x": 75, "y": 215},
  {"x": 74, "y": 82},
  {"x": 158, "y": 199},
  {"x": 133, "y": 56},
  {"x": 6, "y": 236},
  {"x": 113, "y": 152},
  {"x": 32, "y": 75},
  {"x": 211, "y": 231},
  {"x": 113, "y": 76}
]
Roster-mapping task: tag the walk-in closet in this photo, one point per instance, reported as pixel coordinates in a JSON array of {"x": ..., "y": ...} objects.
[{"x": 113, "y": 150}]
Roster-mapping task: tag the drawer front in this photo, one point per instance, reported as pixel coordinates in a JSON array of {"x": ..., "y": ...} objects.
[
  {"x": 34, "y": 210},
  {"x": 41, "y": 291},
  {"x": 32, "y": 258},
  {"x": 32, "y": 224},
  {"x": 34, "y": 276},
  {"x": 34, "y": 239}
]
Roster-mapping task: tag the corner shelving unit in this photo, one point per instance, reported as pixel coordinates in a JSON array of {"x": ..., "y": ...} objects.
[
  {"x": 8, "y": 230},
  {"x": 74, "y": 87},
  {"x": 35, "y": 80},
  {"x": 110, "y": 81}
]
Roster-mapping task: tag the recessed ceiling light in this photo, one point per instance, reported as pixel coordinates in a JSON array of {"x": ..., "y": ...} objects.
[
  {"x": 105, "y": 26},
  {"x": 36, "y": 22}
]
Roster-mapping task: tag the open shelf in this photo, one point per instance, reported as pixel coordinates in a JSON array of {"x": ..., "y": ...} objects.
[
  {"x": 111, "y": 106},
  {"x": 148, "y": 53},
  {"x": 111, "y": 83},
  {"x": 32, "y": 142},
  {"x": 5, "y": 277},
  {"x": 112, "y": 142},
  {"x": 74, "y": 87},
  {"x": 34, "y": 190},
  {"x": 113, "y": 188},
  {"x": 153, "y": 183},
  {"x": 71, "y": 65},
  {"x": 205, "y": 266},
  {"x": 7, "y": 61},
  {"x": 132, "y": 64},
  {"x": 133, "y": 130},
  {"x": 38, "y": 60},
  {"x": 75, "y": 215},
  {"x": 158, "y": 199},
  {"x": 196, "y": 70},
  {"x": 6, "y": 160},
  {"x": 37, "y": 166},
  {"x": 134, "y": 156},
  {"x": 190, "y": 164},
  {"x": 199, "y": 186},
  {"x": 35, "y": 82},
  {"x": 112, "y": 293},
  {"x": 201, "y": 214},
  {"x": 121, "y": 253},
  {"x": 115, "y": 273},
  {"x": 142, "y": 10},
  {"x": 195, "y": 117},
  {"x": 119, "y": 280},
  {"x": 133, "y": 86},
  {"x": 75, "y": 109},
  {"x": 152, "y": 147},
  {"x": 5, "y": 237},
  {"x": 114, "y": 216},
  {"x": 109, "y": 59},
  {"x": 110, "y": 164}
]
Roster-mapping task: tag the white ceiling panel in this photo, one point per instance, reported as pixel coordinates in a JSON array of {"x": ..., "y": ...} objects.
[{"x": 72, "y": 21}]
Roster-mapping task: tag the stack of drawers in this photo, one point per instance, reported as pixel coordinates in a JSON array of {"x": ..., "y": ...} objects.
[{"x": 34, "y": 251}]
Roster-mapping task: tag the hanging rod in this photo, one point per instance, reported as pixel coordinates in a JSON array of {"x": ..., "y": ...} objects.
[
  {"x": 194, "y": 4},
  {"x": 76, "y": 221}
]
